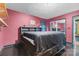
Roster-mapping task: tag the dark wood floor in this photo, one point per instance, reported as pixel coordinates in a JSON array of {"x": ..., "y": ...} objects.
[{"x": 13, "y": 51}]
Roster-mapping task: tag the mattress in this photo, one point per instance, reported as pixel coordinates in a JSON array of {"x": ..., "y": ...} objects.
[{"x": 45, "y": 40}]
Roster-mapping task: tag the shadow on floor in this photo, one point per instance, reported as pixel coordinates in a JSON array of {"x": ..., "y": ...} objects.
[{"x": 15, "y": 50}]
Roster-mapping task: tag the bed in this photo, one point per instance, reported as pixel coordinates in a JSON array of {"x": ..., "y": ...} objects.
[{"x": 43, "y": 43}]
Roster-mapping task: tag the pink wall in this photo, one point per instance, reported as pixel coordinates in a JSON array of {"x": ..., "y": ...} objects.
[
  {"x": 68, "y": 18},
  {"x": 14, "y": 21}
]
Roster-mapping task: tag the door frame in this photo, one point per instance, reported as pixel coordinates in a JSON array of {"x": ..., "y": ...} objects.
[{"x": 74, "y": 18}]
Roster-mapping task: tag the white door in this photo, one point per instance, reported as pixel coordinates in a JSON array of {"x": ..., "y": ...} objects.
[{"x": 76, "y": 35}]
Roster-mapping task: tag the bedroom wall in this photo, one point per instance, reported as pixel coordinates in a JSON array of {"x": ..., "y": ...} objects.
[
  {"x": 68, "y": 18},
  {"x": 9, "y": 35},
  {"x": 14, "y": 21}
]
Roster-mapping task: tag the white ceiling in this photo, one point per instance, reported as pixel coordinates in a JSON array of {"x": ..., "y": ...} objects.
[{"x": 44, "y": 10}]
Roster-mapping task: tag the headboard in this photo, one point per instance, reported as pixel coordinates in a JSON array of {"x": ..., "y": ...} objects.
[
  {"x": 33, "y": 29},
  {"x": 24, "y": 29}
]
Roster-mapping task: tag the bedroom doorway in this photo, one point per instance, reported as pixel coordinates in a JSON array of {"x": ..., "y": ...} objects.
[
  {"x": 76, "y": 35},
  {"x": 58, "y": 25}
]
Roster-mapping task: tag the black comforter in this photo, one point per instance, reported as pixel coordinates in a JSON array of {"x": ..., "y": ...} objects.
[{"x": 43, "y": 41}]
